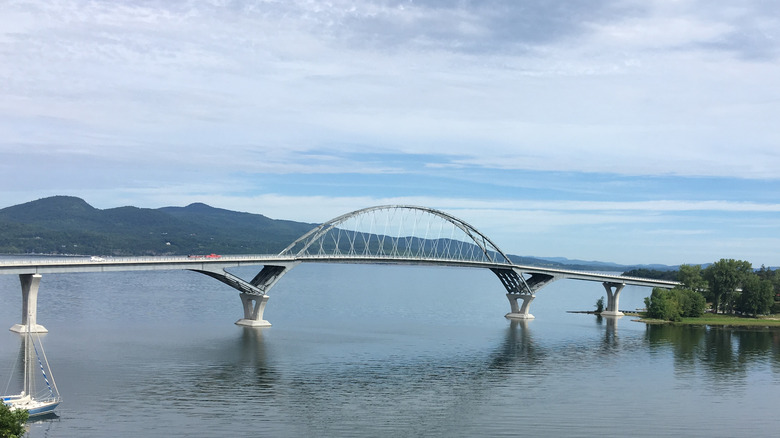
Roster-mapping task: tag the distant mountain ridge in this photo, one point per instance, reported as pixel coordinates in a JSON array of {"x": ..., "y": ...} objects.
[
  {"x": 607, "y": 265},
  {"x": 69, "y": 225}
]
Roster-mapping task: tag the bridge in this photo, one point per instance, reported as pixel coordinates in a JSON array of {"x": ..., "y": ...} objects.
[{"x": 389, "y": 234}]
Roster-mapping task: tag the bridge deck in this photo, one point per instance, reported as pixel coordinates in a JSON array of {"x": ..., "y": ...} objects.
[{"x": 62, "y": 265}]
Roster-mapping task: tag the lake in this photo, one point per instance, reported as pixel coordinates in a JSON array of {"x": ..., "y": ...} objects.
[{"x": 373, "y": 350}]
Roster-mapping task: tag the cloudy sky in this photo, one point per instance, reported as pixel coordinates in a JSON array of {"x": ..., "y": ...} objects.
[{"x": 633, "y": 131}]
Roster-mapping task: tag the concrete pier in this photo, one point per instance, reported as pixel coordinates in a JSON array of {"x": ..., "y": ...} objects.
[
  {"x": 30, "y": 284},
  {"x": 254, "y": 306},
  {"x": 613, "y": 298},
  {"x": 519, "y": 312}
]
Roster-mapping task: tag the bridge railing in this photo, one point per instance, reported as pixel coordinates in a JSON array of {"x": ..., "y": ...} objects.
[{"x": 78, "y": 260}]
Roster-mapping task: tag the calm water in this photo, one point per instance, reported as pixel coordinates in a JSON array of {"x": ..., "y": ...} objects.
[{"x": 382, "y": 351}]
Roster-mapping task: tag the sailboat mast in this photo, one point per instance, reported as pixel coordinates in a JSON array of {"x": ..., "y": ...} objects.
[{"x": 26, "y": 384}]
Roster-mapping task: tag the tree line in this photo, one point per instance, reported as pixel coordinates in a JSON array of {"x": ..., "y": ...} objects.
[
  {"x": 12, "y": 422},
  {"x": 728, "y": 285}
]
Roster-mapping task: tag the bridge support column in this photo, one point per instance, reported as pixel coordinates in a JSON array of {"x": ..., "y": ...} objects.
[
  {"x": 518, "y": 311},
  {"x": 613, "y": 297},
  {"x": 254, "y": 306},
  {"x": 30, "y": 284}
]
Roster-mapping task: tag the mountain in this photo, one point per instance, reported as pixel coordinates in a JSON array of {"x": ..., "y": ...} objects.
[
  {"x": 69, "y": 225},
  {"x": 584, "y": 265},
  {"x": 605, "y": 266}
]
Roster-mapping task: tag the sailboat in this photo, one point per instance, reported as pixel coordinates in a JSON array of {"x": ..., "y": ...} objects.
[{"x": 36, "y": 398}]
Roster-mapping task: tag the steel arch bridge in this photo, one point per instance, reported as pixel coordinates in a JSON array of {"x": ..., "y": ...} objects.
[
  {"x": 397, "y": 232},
  {"x": 387, "y": 234}
]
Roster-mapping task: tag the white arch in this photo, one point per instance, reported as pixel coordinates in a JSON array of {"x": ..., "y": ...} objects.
[{"x": 488, "y": 251}]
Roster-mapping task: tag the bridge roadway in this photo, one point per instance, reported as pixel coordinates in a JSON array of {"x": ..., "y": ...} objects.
[{"x": 520, "y": 281}]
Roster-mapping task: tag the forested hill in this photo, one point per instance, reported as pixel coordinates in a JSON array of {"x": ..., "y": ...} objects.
[{"x": 69, "y": 225}]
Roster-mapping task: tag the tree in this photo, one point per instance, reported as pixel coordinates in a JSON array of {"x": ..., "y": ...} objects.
[
  {"x": 662, "y": 305},
  {"x": 768, "y": 274},
  {"x": 692, "y": 303},
  {"x": 757, "y": 296},
  {"x": 600, "y": 305},
  {"x": 773, "y": 276},
  {"x": 724, "y": 277},
  {"x": 12, "y": 422},
  {"x": 675, "y": 304},
  {"x": 651, "y": 273},
  {"x": 691, "y": 277}
]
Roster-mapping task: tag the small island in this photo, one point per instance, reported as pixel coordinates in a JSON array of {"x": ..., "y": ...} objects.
[{"x": 726, "y": 293}]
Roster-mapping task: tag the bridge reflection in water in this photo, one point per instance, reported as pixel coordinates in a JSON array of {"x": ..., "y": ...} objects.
[{"x": 390, "y": 234}]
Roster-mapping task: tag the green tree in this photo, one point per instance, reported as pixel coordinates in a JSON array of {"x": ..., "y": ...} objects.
[
  {"x": 693, "y": 303},
  {"x": 651, "y": 273},
  {"x": 12, "y": 422},
  {"x": 600, "y": 305},
  {"x": 724, "y": 277},
  {"x": 662, "y": 304},
  {"x": 757, "y": 296},
  {"x": 765, "y": 273},
  {"x": 691, "y": 277},
  {"x": 773, "y": 276},
  {"x": 674, "y": 304}
]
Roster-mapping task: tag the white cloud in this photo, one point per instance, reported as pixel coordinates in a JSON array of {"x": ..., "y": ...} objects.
[
  {"x": 633, "y": 94},
  {"x": 164, "y": 103}
]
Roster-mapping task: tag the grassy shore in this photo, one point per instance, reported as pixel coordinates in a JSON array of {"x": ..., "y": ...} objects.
[{"x": 720, "y": 320}]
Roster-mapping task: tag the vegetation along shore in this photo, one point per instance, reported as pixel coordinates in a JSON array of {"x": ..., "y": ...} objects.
[{"x": 728, "y": 292}]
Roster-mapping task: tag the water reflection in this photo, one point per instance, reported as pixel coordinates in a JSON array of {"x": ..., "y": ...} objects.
[
  {"x": 234, "y": 370},
  {"x": 44, "y": 425},
  {"x": 518, "y": 350},
  {"x": 610, "y": 332},
  {"x": 723, "y": 354},
  {"x": 339, "y": 384},
  {"x": 353, "y": 392}
]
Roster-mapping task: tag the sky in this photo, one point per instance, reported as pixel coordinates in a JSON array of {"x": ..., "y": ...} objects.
[{"x": 626, "y": 131}]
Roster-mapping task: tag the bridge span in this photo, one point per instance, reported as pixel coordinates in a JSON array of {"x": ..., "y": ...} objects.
[{"x": 392, "y": 234}]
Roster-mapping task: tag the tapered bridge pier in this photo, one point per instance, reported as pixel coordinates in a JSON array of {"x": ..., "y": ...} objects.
[
  {"x": 613, "y": 297},
  {"x": 30, "y": 285}
]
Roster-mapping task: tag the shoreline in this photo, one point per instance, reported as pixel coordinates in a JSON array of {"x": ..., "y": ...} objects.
[{"x": 708, "y": 319}]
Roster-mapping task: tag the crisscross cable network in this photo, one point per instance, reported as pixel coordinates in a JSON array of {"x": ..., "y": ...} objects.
[{"x": 397, "y": 232}]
